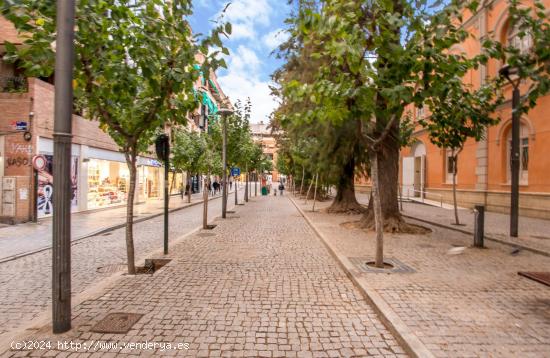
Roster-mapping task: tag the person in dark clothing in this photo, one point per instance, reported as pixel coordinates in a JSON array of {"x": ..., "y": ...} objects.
[{"x": 281, "y": 188}]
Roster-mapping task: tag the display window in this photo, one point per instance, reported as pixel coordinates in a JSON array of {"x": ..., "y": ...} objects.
[
  {"x": 175, "y": 182},
  {"x": 150, "y": 185},
  {"x": 108, "y": 183}
]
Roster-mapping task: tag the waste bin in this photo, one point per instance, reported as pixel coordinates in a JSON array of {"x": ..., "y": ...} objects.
[{"x": 264, "y": 190}]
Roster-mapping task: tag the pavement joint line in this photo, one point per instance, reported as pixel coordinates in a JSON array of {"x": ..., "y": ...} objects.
[
  {"x": 486, "y": 237},
  {"x": 44, "y": 319},
  {"x": 106, "y": 230},
  {"x": 410, "y": 342}
]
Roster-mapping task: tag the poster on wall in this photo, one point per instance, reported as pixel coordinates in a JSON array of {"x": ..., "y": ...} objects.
[{"x": 45, "y": 186}]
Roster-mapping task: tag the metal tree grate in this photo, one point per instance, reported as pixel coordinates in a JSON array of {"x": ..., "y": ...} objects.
[
  {"x": 119, "y": 322},
  {"x": 398, "y": 266},
  {"x": 541, "y": 277}
]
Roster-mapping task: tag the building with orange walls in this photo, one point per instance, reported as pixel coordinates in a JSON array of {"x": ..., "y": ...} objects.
[{"x": 483, "y": 167}]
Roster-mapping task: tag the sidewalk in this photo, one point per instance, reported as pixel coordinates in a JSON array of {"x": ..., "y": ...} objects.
[
  {"x": 17, "y": 240},
  {"x": 469, "y": 303},
  {"x": 251, "y": 287},
  {"x": 533, "y": 233}
]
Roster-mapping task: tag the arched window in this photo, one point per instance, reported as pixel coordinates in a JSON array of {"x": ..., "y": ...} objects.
[
  {"x": 517, "y": 38},
  {"x": 523, "y": 154}
]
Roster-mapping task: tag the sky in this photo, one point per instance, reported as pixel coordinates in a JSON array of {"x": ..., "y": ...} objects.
[{"x": 257, "y": 30}]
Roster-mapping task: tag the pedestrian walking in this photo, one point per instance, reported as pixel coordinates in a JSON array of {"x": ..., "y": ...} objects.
[{"x": 281, "y": 188}]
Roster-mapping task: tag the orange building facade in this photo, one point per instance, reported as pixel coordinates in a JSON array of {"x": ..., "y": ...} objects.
[{"x": 484, "y": 167}]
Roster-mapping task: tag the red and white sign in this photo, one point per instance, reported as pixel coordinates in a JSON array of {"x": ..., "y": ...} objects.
[{"x": 39, "y": 162}]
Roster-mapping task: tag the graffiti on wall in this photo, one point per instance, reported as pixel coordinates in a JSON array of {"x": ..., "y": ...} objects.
[
  {"x": 45, "y": 186},
  {"x": 19, "y": 155},
  {"x": 18, "y": 162}
]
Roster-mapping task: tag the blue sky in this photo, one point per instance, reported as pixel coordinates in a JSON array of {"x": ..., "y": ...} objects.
[{"x": 257, "y": 26}]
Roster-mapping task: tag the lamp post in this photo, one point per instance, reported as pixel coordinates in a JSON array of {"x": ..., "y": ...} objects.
[
  {"x": 509, "y": 72},
  {"x": 61, "y": 236},
  {"x": 162, "y": 146},
  {"x": 224, "y": 112}
]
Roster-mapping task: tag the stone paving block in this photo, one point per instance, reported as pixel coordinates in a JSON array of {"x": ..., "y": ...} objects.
[{"x": 264, "y": 285}]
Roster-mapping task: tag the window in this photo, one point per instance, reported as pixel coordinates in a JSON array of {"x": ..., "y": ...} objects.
[
  {"x": 515, "y": 38},
  {"x": 450, "y": 165},
  {"x": 419, "y": 113},
  {"x": 523, "y": 155}
]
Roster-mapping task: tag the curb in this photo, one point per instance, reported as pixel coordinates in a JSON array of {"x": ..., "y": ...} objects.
[
  {"x": 408, "y": 340},
  {"x": 490, "y": 238},
  {"x": 105, "y": 230}
]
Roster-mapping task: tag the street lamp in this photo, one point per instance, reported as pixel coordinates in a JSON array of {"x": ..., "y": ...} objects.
[
  {"x": 224, "y": 112},
  {"x": 62, "y": 136},
  {"x": 510, "y": 73}
]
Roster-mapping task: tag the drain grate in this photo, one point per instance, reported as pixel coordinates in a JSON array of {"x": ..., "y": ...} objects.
[
  {"x": 118, "y": 322},
  {"x": 541, "y": 277},
  {"x": 398, "y": 267},
  {"x": 111, "y": 268}
]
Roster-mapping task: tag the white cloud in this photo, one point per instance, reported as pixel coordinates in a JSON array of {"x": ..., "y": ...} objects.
[
  {"x": 246, "y": 15},
  {"x": 242, "y": 81},
  {"x": 274, "y": 38}
]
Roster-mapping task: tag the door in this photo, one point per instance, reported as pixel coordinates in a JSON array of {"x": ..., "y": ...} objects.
[{"x": 408, "y": 176}]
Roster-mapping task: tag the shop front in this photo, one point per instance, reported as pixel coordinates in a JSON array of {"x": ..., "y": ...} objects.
[
  {"x": 44, "y": 185},
  {"x": 150, "y": 176},
  {"x": 108, "y": 183},
  {"x": 176, "y": 182}
]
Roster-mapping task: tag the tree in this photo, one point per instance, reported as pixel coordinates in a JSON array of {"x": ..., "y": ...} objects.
[
  {"x": 133, "y": 69},
  {"x": 384, "y": 56},
  {"x": 188, "y": 151},
  {"x": 333, "y": 146}
]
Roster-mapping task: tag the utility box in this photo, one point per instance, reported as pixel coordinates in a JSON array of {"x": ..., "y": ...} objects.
[{"x": 8, "y": 196}]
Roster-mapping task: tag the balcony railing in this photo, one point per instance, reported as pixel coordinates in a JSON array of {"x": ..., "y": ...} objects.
[{"x": 13, "y": 84}]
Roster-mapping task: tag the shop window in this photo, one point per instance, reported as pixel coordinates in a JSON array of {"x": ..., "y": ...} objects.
[
  {"x": 523, "y": 155},
  {"x": 108, "y": 183}
]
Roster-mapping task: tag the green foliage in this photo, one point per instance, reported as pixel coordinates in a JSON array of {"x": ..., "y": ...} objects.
[
  {"x": 240, "y": 146},
  {"x": 134, "y": 60}
]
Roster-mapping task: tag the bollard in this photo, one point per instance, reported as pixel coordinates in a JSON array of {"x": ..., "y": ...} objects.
[{"x": 479, "y": 225}]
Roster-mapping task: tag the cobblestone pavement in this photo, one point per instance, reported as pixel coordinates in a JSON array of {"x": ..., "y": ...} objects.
[
  {"x": 262, "y": 286},
  {"x": 25, "y": 283},
  {"x": 533, "y": 232},
  {"x": 472, "y": 304},
  {"x": 28, "y": 237}
]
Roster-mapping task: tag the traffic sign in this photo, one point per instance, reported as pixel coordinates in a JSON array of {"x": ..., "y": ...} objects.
[
  {"x": 39, "y": 162},
  {"x": 235, "y": 172}
]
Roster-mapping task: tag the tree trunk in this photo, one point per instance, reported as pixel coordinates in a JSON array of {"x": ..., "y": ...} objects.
[
  {"x": 131, "y": 159},
  {"x": 205, "y": 203},
  {"x": 246, "y": 186},
  {"x": 189, "y": 184},
  {"x": 345, "y": 200},
  {"x": 378, "y": 217},
  {"x": 308, "y": 190},
  {"x": 455, "y": 169},
  {"x": 315, "y": 192},
  {"x": 302, "y": 182},
  {"x": 388, "y": 168}
]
